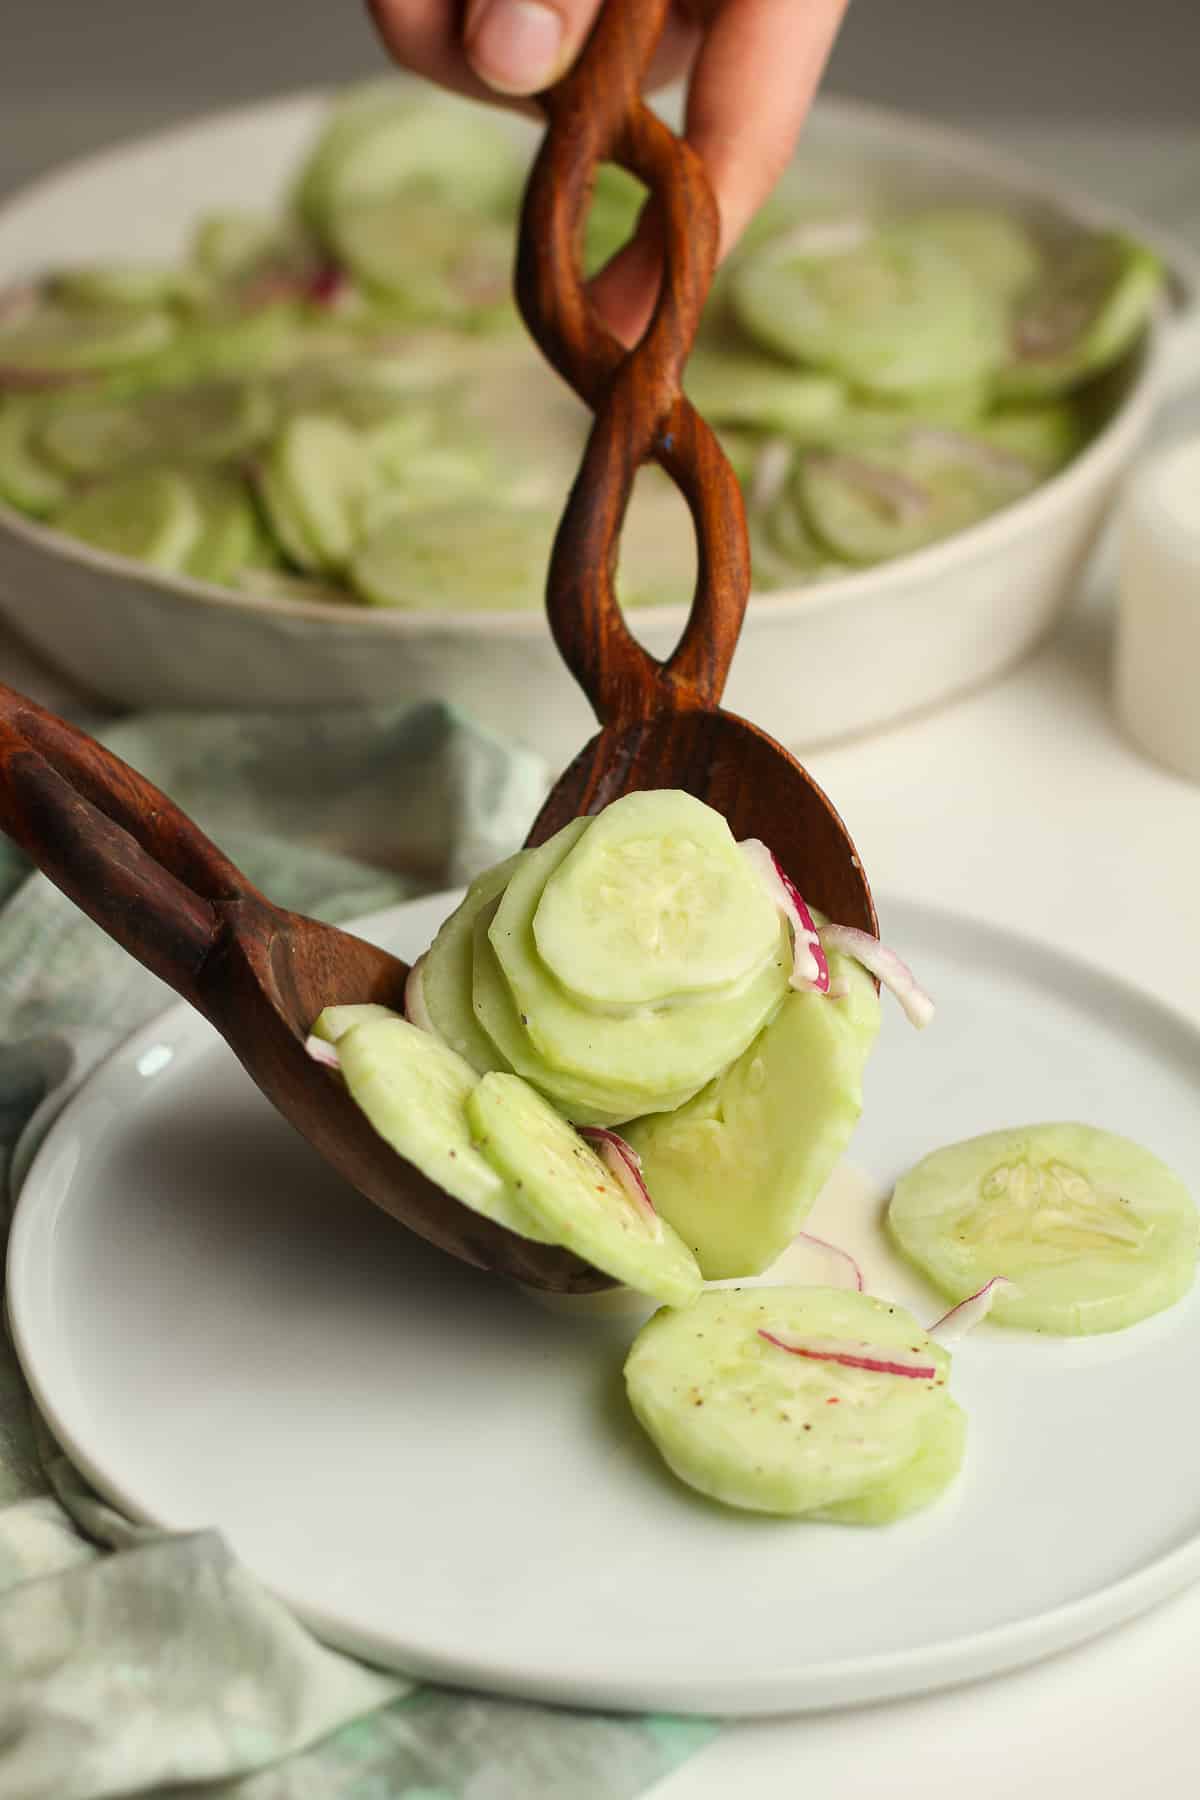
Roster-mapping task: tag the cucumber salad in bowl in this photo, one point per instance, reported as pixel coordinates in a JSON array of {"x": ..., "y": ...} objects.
[
  {"x": 337, "y": 403},
  {"x": 637, "y": 1041}
]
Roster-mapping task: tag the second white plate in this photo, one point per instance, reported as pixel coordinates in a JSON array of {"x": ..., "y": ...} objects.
[{"x": 443, "y": 1477}]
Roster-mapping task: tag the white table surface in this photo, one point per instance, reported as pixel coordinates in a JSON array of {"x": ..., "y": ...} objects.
[{"x": 1020, "y": 804}]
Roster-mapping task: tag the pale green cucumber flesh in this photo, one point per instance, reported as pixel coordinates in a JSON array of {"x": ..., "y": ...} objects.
[
  {"x": 27, "y": 480},
  {"x": 738, "y": 1168},
  {"x": 333, "y": 1022},
  {"x": 654, "y": 1052},
  {"x": 893, "y": 315},
  {"x": 452, "y": 555},
  {"x": 446, "y": 973},
  {"x": 998, "y": 249},
  {"x": 584, "y": 1102},
  {"x": 654, "y": 900},
  {"x": 916, "y": 1484},
  {"x": 57, "y": 341},
  {"x": 415, "y": 1092},
  {"x": 152, "y": 516},
  {"x": 321, "y": 476},
  {"x": 571, "y": 1195},
  {"x": 1093, "y": 302},
  {"x": 1094, "y": 1232},
  {"x": 752, "y": 1425},
  {"x": 229, "y": 527}
]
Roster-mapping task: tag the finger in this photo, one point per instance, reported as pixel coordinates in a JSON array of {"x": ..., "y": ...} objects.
[
  {"x": 427, "y": 40},
  {"x": 752, "y": 84},
  {"x": 521, "y": 46}
]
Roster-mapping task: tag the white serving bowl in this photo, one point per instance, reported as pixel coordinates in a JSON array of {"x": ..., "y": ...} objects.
[{"x": 826, "y": 660}]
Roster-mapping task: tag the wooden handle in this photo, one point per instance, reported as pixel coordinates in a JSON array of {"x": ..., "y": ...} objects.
[
  {"x": 113, "y": 843},
  {"x": 596, "y": 115}
]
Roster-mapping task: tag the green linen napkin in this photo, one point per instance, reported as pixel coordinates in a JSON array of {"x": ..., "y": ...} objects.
[{"x": 138, "y": 1662}]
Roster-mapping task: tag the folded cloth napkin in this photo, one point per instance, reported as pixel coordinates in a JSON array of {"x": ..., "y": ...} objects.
[{"x": 139, "y": 1662}]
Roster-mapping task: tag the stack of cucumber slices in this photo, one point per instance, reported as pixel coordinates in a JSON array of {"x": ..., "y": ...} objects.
[
  {"x": 338, "y": 404},
  {"x": 641, "y": 970}
]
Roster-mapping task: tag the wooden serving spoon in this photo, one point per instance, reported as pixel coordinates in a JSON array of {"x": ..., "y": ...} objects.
[{"x": 149, "y": 877}]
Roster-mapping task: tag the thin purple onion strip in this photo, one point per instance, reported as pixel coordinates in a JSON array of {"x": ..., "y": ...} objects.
[
  {"x": 885, "y": 965},
  {"x": 879, "y": 1360},
  {"x": 624, "y": 1165},
  {"x": 960, "y": 1319},
  {"x": 322, "y": 1052},
  {"x": 810, "y": 969},
  {"x": 835, "y": 1250}
]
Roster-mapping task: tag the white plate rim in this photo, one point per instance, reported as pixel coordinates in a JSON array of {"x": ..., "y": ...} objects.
[{"x": 853, "y": 1681}]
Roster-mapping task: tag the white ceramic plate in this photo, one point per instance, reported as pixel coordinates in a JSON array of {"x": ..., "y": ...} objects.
[
  {"x": 809, "y": 666},
  {"x": 442, "y": 1476}
]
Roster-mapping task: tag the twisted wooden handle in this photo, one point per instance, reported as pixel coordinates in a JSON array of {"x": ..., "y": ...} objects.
[{"x": 595, "y": 114}]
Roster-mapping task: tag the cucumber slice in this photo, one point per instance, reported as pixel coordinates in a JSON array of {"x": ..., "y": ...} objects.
[
  {"x": 415, "y": 1093},
  {"x": 317, "y": 481},
  {"x": 732, "y": 387},
  {"x": 900, "y": 496},
  {"x": 653, "y": 901},
  {"x": 229, "y": 527},
  {"x": 152, "y": 516},
  {"x": 915, "y": 1484},
  {"x": 654, "y": 1052},
  {"x": 997, "y": 248},
  {"x": 199, "y": 424},
  {"x": 107, "y": 286},
  {"x": 333, "y": 1022},
  {"x": 461, "y": 553},
  {"x": 446, "y": 972},
  {"x": 1095, "y": 1232},
  {"x": 894, "y": 314},
  {"x": 431, "y": 259},
  {"x": 1093, "y": 302},
  {"x": 378, "y": 140},
  {"x": 752, "y": 1425},
  {"x": 54, "y": 341},
  {"x": 228, "y": 245},
  {"x": 570, "y": 1195},
  {"x": 1046, "y": 436},
  {"x": 590, "y": 1102},
  {"x": 26, "y": 480},
  {"x": 738, "y": 1169}
]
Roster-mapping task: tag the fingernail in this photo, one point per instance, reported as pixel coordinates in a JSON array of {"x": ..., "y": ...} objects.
[{"x": 515, "y": 45}]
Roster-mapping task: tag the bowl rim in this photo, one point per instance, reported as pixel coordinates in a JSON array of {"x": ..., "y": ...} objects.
[{"x": 944, "y": 144}]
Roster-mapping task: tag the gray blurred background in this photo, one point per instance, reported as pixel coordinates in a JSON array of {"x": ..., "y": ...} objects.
[{"x": 75, "y": 74}]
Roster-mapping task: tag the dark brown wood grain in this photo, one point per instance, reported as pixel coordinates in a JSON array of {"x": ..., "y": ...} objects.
[{"x": 130, "y": 859}]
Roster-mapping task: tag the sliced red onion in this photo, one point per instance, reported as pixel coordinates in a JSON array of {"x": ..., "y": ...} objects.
[
  {"x": 960, "y": 1319},
  {"x": 907, "y": 501},
  {"x": 987, "y": 458},
  {"x": 835, "y": 1250},
  {"x": 328, "y": 285},
  {"x": 895, "y": 975},
  {"x": 322, "y": 1051},
  {"x": 36, "y": 381},
  {"x": 415, "y": 1009},
  {"x": 881, "y": 1360},
  {"x": 810, "y": 970},
  {"x": 624, "y": 1165}
]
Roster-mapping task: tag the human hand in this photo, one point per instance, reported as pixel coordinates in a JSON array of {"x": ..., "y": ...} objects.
[{"x": 752, "y": 67}]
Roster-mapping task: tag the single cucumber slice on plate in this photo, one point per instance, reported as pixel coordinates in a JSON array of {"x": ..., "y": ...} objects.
[
  {"x": 1093, "y": 302},
  {"x": 652, "y": 902},
  {"x": 799, "y": 1430},
  {"x": 415, "y": 1092},
  {"x": 737, "y": 1169},
  {"x": 915, "y": 1484},
  {"x": 894, "y": 314},
  {"x": 654, "y": 1052},
  {"x": 570, "y": 1194},
  {"x": 153, "y": 516},
  {"x": 1094, "y": 1232},
  {"x": 457, "y": 554},
  {"x": 27, "y": 479}
]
